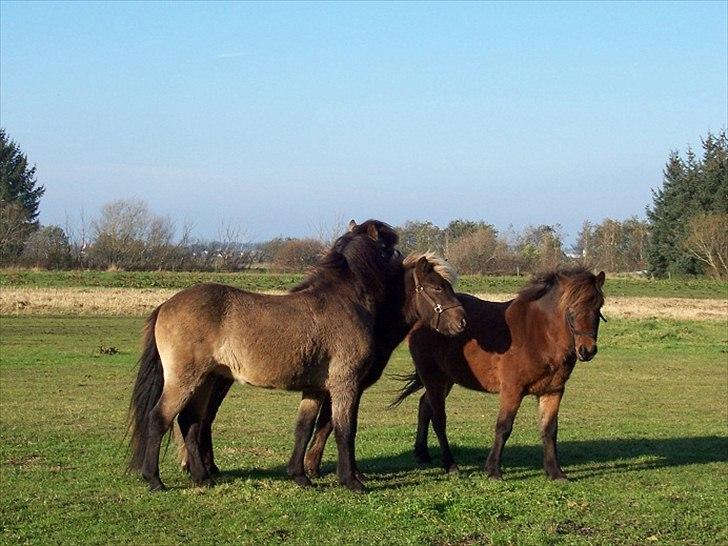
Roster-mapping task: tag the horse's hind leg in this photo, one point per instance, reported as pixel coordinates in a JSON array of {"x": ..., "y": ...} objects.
[
  {"x": 324, "y": 427},
  {"x": 173, "y": 399},
  {"x": 548, "y": 407},
  {"x": 220, "y": 387},
  {"x": 308, "y": 409},
  {"x": 424, "y": 416},
  {"x": 509, "y": 404},
  {"x": 191, "y": 420},
  {"x": 437, "y": 390}
]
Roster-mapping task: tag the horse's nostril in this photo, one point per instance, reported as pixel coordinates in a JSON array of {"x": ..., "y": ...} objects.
[{"x": 463, "y": 323}]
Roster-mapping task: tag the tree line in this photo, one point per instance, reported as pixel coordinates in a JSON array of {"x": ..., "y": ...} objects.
[{"x": 685, "y": 232}]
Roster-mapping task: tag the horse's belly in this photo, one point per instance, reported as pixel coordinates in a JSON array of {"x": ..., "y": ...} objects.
[{"x": 275, "y": 374}]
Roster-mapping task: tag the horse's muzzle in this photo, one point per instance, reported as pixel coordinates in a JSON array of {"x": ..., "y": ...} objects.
[
  {"x": 453, "y": 327},
  {"x": 585, "y": 355}
]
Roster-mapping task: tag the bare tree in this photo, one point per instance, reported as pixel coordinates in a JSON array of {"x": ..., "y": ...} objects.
[
  {"x": 707, "y": 240},
  {"x": 79, "y": 238},
  {"x": 14, "y": 230},
  {"x": 478, "y": 252},
  {"x": 129, "y": 236},
  {"x": 328, "y": 233},
  {"x": 231, "y": 250},
  {"x": 48, "y": 248},
  {"x": 298, "y": 254}
]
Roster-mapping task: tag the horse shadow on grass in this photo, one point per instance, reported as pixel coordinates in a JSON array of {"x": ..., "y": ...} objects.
[{"x": 580, "y": 459}]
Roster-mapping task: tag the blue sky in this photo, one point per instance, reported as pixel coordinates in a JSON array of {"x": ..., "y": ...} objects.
[{"x": 283, "y": 117}]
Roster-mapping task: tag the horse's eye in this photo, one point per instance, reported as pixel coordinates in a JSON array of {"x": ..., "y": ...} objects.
[{"x": 438, "y": 289}]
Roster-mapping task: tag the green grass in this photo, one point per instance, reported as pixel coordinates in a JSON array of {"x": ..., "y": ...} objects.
[
  {"x": 617, "y": 286},
  {"x": 643, "y": 437}
]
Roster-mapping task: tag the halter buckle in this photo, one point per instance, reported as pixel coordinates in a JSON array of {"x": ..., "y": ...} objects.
[
  {"x": 419, "y": 288},
  {"x": 438, "y": 308}
]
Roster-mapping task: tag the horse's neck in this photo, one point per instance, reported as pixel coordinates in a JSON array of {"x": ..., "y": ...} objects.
[
  {"x": 394, "y": 315},
  {"x": 546, "y": 324}
]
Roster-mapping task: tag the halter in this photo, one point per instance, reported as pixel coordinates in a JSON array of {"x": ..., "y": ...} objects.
[
  {"x": 437, "y": 307},
  {"x": 586, "y": 333}
]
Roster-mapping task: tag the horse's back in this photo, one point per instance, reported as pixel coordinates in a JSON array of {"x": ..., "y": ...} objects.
[
  {"x": 276, "y": 341},
  {"x": 471, "y": 359}
]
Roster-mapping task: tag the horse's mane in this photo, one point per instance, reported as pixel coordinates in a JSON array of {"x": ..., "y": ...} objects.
[
  {"x": 353, "y": 252},
  {"x": 441, "y": 266},
  {"x": 581, "y": 289}
]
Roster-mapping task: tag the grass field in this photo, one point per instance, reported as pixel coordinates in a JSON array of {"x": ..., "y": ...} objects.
[
  {"x": 473, "y": 284},
  {"x": 643, "y": 430}
]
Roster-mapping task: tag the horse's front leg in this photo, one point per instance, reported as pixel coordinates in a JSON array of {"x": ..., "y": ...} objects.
[
  {"x": 548, "y": 408},
  {"x": 509, "y": 404},
  {"x": 308, "y": 409},
  {"x": 324, "y": 426},
  {"x": 345, "y": 397}
]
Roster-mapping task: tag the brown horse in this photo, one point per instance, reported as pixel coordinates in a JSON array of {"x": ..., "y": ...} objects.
[
  {"x": 419, "y": 291},
  {"x": 318, "y": 340},
  {"x": 528, "y": 345}
]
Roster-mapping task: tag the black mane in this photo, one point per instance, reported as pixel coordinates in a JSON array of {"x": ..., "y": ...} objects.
[
  {"x": 542, "y": 283},
  {"x": 354, "y": 253}
]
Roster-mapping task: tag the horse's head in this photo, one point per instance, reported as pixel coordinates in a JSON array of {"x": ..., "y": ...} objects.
[
  {"x": 582, "y": 300},
  {"x": 430, "y": 295},
  {"x": 380, "y": 233},
  {"x": 366, "y": 251}
]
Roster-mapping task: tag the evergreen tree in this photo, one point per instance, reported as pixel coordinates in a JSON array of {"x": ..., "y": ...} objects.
[
  {"x": 691, "y": 186},
  {"x": 17, "y": 179}
]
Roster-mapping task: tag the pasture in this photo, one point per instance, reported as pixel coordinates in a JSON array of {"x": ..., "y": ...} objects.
[
  {"x": 252, "y": 280},
  {"x": 643, "y": 437}
]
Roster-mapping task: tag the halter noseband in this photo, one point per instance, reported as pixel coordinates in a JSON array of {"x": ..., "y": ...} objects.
[
  {"x": 437, "y": 307},
  {"x": 586, "y": 333}
]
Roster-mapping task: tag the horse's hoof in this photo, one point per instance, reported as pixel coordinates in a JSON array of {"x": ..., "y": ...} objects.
[
  {"x": 452, "y": 469},
  {"x": 213, "y": 470},
  {"x": 494, "y": 474},
  {"x": 302, "y": 480},
  {"x": 313, "y": 473},
  {"x": 561, "y": 478},
  {"x": 157, "y": 487},
  {"x": 359, "y": 476},
  {"x": 205, "y": 482},
  {"x": 354, "y": 485},
  {"x": 423, "y": 458}
]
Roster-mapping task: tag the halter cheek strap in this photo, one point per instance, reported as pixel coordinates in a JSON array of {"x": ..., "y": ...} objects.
[
  {"x": 437, "y": 307},
  {"x": 587, "y": 333}
]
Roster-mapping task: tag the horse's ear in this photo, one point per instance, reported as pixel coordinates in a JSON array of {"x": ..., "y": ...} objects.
[
  {"x": 372, "y": 232},
  {"x": 423, "y": 265},
  {"x": 600, "y": 279},
  {"x": 352, "y": 225}
]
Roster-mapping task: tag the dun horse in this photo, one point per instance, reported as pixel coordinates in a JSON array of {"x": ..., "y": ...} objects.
[
  {"x": 528, "y": 345},
  {"x": 420, "y": 291},
  {"x": 319, "y": 340}
]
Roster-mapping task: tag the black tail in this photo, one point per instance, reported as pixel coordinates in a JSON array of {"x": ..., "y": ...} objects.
[
  {"x": 414, "y": 383},
  {"x": 146, "y": 393}
]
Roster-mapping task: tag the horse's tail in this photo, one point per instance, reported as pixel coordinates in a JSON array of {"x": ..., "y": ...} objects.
[
  {"x": 147, "y": 391},
  {"x": 414, "y": 383}
]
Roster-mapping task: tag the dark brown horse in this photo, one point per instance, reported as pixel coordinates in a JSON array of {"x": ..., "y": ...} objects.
[
  {"x": 319, "y": 340},
  {"x": 528, "y": 345},
  {"x": 418, "y": 291}
]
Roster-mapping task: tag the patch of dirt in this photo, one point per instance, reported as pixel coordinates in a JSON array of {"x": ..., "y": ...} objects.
[{"x": 141, "y": 302}]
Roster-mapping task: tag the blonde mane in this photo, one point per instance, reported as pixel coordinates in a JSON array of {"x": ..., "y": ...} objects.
[{"x": 440, "y": 265}]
